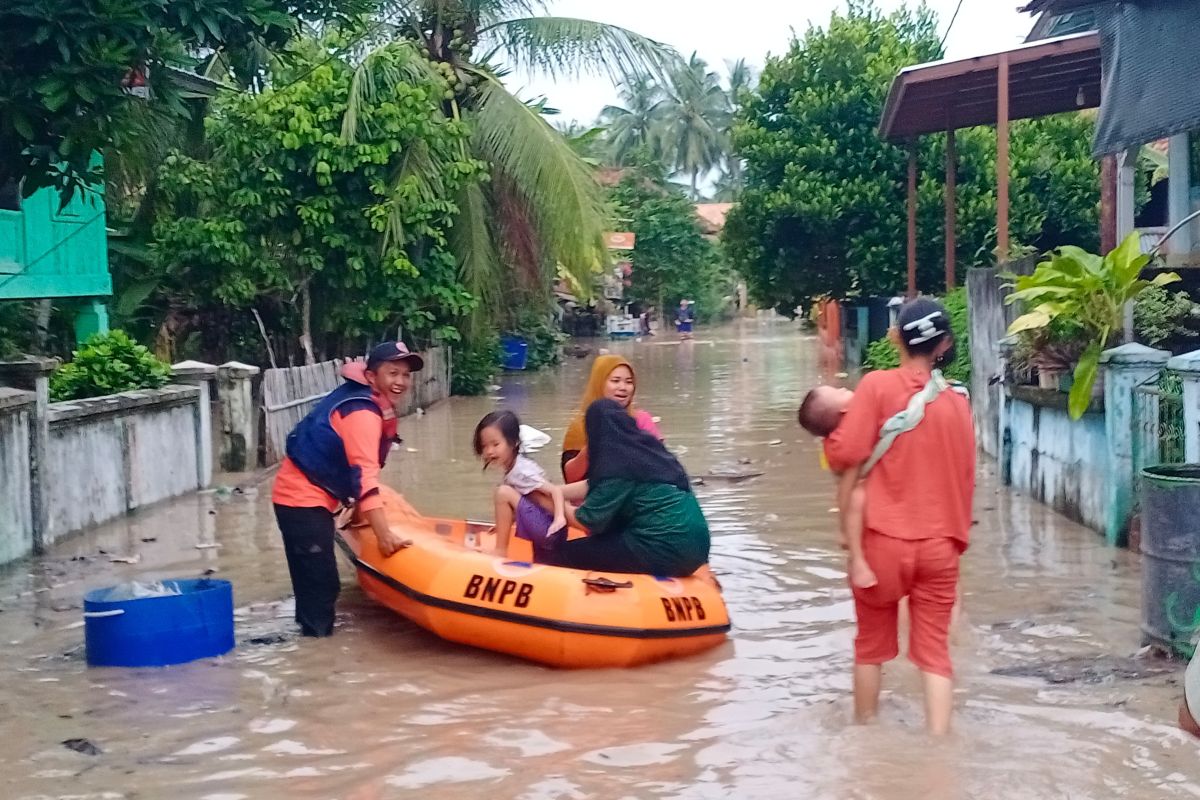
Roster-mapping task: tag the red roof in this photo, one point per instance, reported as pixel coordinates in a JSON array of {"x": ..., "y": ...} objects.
[{"x": 712, "y": 216}]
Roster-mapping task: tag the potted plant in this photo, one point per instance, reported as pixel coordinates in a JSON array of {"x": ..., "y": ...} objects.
[{"x": 1086, "y": 291}]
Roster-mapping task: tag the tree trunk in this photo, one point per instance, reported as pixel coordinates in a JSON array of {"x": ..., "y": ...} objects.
[
  {"x": 306, "y": 324},
  {"x": 41, "y": 325}
]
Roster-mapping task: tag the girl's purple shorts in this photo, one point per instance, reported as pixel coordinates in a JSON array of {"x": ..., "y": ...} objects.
[{"x": 533, "y": 524}]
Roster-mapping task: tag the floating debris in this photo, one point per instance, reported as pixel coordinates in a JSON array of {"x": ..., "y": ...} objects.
[
  {"x": 134, "y": 559},
  {"x": 1090, "y": 669},
  {"x": 733, "y": 473},
  {"x": 84, "y": 746},
  {"x": 207, "y": 546}
]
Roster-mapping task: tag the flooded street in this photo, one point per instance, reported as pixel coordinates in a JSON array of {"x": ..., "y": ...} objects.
[{"x": 386, "y": 710}]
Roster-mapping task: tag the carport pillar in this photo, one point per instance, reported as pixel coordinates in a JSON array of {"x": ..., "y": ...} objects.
[
  {"x": 1108, "y": 203},
  {"x": 951, "y": 210},
  {"x": 1002, "y": 243},
  {"x": 912, "y": 219}
]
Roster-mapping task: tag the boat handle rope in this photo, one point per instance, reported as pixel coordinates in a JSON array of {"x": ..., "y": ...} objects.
[{"x": 606, "y": 585}]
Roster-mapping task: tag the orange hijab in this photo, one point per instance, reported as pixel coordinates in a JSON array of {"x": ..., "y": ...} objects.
[{"x": 602, "y": 367}]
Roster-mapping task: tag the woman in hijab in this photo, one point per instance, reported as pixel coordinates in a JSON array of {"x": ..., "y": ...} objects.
[
  {"x": 640, "y": 512},
  {"x": 612, "y": 378}
]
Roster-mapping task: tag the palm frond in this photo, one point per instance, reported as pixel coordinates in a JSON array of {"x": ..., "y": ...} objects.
[
  {"x": 379, "y": 74},
  {"x": 473, "y": 245},
  {"x": 486, "y": 13},
  {"x": 419, "y": 173},
  {"x": 559, "y": 190},
  {"x": 558, "y": 46}
]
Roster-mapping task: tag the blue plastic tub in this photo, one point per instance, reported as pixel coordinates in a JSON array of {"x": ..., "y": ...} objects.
[
  {"x": 516, "y": 352},
  {"x": 157, "y": 631}
]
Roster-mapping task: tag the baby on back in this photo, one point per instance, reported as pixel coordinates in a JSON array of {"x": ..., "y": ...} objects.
[{"x": 820, "y": 413}]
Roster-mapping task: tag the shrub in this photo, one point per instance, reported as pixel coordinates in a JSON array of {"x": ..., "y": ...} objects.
[
  {"x": 1160, "y": 316},
  {"x": 108, "y": 363},
  {"x": 882, "y": 354},
  {"x": 473, "y": 364}
]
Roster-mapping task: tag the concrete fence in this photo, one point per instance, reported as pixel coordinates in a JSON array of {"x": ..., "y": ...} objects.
[
  {"x": 17, "y": 410},
  {"x": 70, "y": 465},
  {"x": 1084, "y": 469}
]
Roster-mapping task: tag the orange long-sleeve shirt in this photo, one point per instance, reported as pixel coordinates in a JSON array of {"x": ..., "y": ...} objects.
[
  {"x": 923, "y": 487},
  {"x": 360, "y": 430}
]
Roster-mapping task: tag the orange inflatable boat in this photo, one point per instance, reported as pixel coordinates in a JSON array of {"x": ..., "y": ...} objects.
[{"x": 448, "y": 583}]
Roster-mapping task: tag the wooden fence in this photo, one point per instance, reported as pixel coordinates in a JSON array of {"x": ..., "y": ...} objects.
[{"x": 289, "y": 393}]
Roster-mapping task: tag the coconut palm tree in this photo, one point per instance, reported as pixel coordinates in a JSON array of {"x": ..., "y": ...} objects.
[
  {"x": 697, "y": 110},
  {"x": 541, "y": 207},
  {"x": 741, "y": 80},
  {"x": 588, "y": 141},
  {"x": 636, "y": 126}
]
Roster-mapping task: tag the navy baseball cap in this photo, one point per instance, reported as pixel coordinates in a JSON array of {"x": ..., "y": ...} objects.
[{"x": 394, "y": 351}]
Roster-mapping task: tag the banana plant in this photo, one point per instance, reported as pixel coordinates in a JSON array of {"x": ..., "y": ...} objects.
[{"x": 1090, "y": 290}]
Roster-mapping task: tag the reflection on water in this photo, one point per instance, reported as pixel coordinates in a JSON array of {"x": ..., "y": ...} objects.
[{"x": 385, "y": 710}]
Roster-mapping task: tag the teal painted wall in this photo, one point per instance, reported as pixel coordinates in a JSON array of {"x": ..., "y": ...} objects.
[{"x": 45, "y": 252}]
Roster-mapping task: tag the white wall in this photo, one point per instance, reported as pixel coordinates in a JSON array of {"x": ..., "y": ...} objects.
[{"x": 110, "y": 455}]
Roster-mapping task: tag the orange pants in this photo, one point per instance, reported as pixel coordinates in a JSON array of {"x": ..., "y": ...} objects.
[{"x": 926, "y": 572}]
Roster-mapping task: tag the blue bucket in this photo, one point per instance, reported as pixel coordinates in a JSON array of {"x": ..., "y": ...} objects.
[
  {"x": 516, "y": 352},
  {"x": 158, "y": 631}
]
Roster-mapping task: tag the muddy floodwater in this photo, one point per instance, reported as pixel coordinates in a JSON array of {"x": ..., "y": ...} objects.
[{"x": 1049, "y": 703}]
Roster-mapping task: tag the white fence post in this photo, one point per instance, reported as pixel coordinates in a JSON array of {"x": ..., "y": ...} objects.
[
  {"x": 32, "y": 373},
  {"x": 239, "y": 416},
  {"x": 201, "y": 375},
  {"x": 1125, "y": 368},
  {"x": 1188, "y": 368}
]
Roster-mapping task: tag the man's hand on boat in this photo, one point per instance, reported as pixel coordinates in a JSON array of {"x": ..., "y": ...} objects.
[{"x": 388, "y": 540}]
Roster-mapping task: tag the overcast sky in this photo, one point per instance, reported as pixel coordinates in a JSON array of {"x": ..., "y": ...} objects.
[{"x": 725, "y": 30}]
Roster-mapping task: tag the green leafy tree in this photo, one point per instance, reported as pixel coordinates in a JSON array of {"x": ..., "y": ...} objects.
[
  {"x": 64, "y": 62},
  {"x": 672, "y": 259},
  {"x": 339, "y": 242},
  {"x": 824, "y": 207}
]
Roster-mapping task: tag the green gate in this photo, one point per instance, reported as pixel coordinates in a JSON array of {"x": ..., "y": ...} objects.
[{"x": 1158, "y": 436}]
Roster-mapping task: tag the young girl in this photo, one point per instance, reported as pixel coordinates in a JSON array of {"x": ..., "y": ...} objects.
[{"x": 525, "y": 495}]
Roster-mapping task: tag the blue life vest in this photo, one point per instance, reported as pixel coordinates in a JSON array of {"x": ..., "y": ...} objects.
[{"x": 318, "y": 451}]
